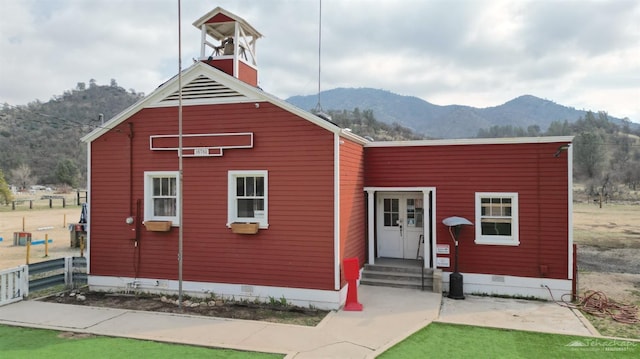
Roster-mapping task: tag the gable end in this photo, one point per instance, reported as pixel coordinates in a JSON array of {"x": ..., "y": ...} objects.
[{"x": 201, "y": 89}]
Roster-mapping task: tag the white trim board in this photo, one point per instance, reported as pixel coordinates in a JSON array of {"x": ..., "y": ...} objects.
[
  {"x": 336, "y": 211},
  {"x": 493, "y": 284},
  {"x": 472, "y": 141}
]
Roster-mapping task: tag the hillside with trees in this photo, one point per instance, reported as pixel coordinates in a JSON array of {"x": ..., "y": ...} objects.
[
  {"x": 40, "y": 142},
  {"x": 364, "y": 123},
  {"x": 606, "y": 155}
]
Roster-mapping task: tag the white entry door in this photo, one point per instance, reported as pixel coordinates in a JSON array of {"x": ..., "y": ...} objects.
[{"x": 400, "y": 224}]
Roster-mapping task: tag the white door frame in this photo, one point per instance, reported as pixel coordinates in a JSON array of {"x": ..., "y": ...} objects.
[{"x": 371, "y": 213}]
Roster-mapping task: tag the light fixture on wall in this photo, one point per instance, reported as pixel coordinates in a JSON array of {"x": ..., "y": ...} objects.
[{"x": 561, "y": 149}]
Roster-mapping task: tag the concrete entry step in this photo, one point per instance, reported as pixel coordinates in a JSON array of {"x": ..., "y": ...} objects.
[{"x": 398, "y": 273}]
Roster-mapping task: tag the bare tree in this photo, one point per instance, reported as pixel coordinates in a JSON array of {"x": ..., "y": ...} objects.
[{"x": 22, "y": 177}]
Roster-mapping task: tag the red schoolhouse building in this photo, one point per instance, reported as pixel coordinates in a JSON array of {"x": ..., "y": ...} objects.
[{"x": 267, "y": 199}]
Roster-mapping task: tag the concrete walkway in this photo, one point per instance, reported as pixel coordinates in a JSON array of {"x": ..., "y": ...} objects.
[
  {"x": 389, "y": 316},
  {"x": 516, "y": 314}
]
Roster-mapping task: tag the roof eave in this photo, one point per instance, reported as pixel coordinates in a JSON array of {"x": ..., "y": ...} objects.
[
  {"x": 472, "y": 141},
  {"x": 218, "y": 10}
]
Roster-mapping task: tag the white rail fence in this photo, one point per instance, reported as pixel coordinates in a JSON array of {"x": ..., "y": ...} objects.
[{"x": 14, "y": 284}]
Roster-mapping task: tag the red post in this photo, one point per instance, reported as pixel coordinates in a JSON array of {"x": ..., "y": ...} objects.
[
  {"x": 351, "y": 269},
  {"x": 574, "y": 282}
]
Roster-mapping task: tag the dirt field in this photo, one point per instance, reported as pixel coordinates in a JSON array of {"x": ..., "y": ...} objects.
[
  {"x": 608, "y": 241},
  {"x": 39, "y": 222}
]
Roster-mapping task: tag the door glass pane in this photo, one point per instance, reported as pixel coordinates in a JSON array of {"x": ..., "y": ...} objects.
[
  {"x": 411, "y": 212},
  {"x": 391, "y": 212},
  {"x": 415, "y": 212}
]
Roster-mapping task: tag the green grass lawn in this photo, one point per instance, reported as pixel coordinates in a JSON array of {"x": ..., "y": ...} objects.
[
  {"x": 440, "y": 340},
  {"x": 437, "y": 340},
  {"x": 17, "y": 342}
]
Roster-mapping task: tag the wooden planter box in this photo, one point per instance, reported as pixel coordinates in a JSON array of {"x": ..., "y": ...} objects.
[
  {"x": 245, "y": 228},
  {"x": 157, "y": 226}
]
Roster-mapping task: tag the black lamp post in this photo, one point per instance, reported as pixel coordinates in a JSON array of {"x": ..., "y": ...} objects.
[{"x": 455, "y": 279}]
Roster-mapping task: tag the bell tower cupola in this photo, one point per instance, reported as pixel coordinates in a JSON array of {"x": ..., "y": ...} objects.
[{"x": 228, "y": 43}]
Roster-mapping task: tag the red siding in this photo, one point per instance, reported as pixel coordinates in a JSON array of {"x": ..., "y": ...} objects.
[
  {"x": 224, "y": 65},
  {"x": 247, "y": 74},
  {"x": 458, "y": 172},
  {"x": 296, "y": 250},
  {"x": 352, "y": 203}
]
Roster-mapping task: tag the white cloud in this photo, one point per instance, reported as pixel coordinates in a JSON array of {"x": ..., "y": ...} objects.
[{"x": 479, "y": 53}]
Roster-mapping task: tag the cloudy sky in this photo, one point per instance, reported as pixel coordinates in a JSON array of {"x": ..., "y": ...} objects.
[{"x": 580, "y": 53}]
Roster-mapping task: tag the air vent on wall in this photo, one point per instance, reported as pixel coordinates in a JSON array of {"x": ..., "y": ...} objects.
[{"x": 204, "y": 88}]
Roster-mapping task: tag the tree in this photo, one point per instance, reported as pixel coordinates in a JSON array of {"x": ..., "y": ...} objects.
[
  {"x": 558, "y": 128},
  {"x": 67, "y": 172},
  {"x": 534, "y": 131},
  {"x": 22, "y": 176},
  {"x": 589, "y": 154},
  {"x": 5, "y": 192}
]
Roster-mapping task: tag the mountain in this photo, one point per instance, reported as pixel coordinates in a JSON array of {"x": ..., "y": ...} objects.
[{"x": 451, "y": 121}]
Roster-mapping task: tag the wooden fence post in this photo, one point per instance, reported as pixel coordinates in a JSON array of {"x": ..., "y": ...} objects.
[
  {"x": 46, "y": 245},
  {"x": 28, "y": 250}
]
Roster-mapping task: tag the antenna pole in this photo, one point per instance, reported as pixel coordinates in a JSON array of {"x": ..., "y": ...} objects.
[
  {"x": 181, "y": 222},
  {"x": 319, "y": 106}
]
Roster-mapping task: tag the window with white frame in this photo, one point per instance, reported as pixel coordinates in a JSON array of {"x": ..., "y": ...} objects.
[
  {"x": 497, "y": 218},
  {"x": 248, "y": 197},
  {"x": 161, "y": 190}
]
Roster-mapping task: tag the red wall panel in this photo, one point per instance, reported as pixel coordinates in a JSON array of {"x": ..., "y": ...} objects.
[
  {"x": 459, "y": 171},
  {"x": 352, "y": 202},
  {"x": 297, "y": 248}
]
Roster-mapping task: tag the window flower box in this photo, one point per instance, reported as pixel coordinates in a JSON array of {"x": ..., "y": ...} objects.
[
  {"x": 157, "y": 226},
  {"x": 245, "y": 228}
]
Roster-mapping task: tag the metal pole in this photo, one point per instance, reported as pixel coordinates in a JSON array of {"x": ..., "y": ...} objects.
[{"x": 180, "y": 226}]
